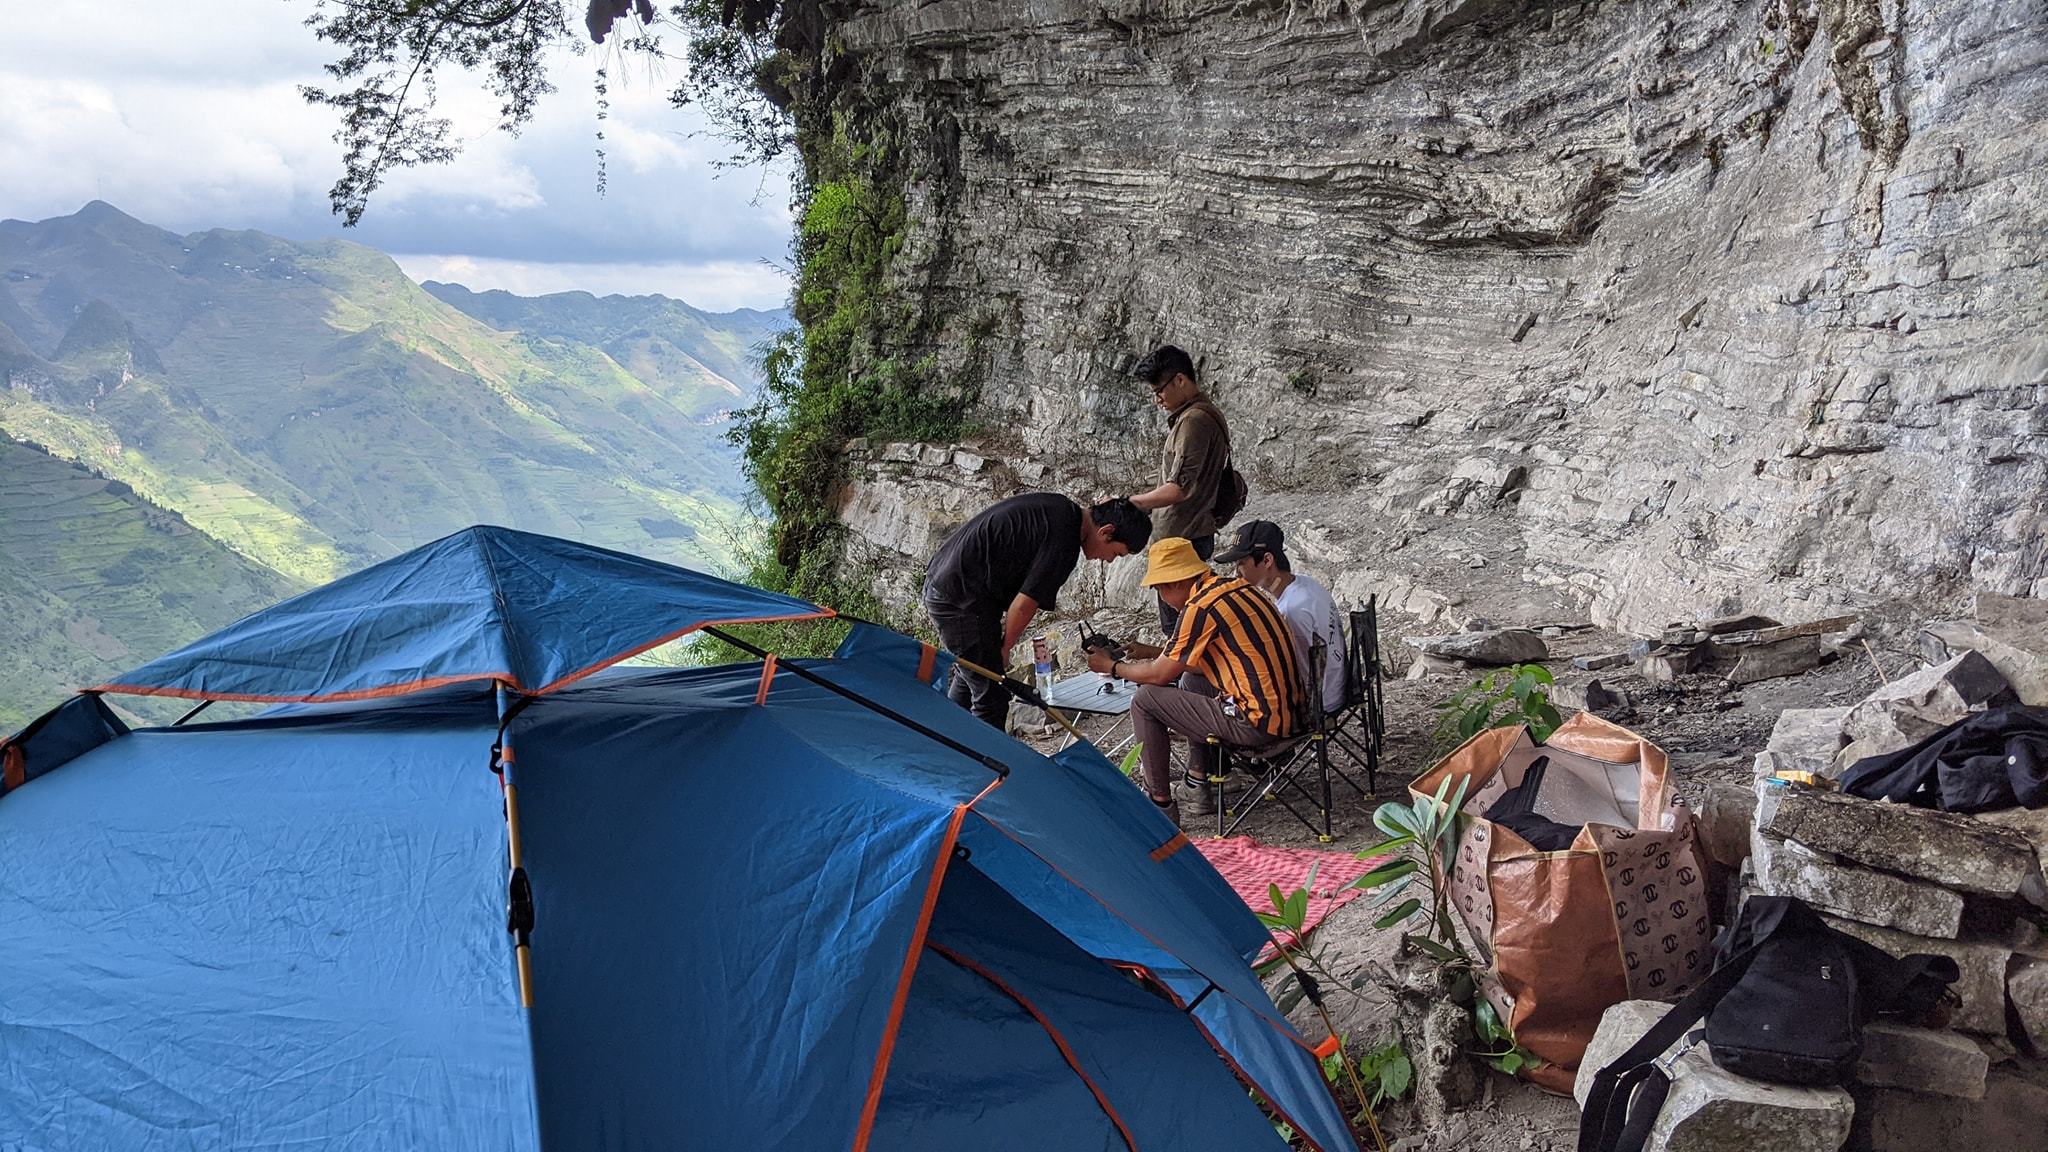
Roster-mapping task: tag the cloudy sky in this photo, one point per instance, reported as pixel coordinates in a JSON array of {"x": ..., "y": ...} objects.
[{"x": 187, "y": 115}]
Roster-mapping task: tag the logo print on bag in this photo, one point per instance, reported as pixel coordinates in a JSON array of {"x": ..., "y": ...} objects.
[
  {"x": 1658, "y": 978},
  {"x": 1663, "y": 861},
  {"x": 1621, "y": 909},
  {"x": 1633, "y": 962},
  {"x": 1678, "y": 909},
  {"x": 1642, "y": 927},
  {"x": 1628, "y": 877},
  {"x": 1649, "y": 893},
  {"x": 1624, "y": 834},
  {"x": 1686, "y": 875},
  {"x": 1670, "y": 945},
  {"x": 1609, "y": 859},
  {"x": 1692, "y": 958}
]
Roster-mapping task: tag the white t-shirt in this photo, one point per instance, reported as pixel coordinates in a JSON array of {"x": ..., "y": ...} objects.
[{"x": 1310, "y": 612}]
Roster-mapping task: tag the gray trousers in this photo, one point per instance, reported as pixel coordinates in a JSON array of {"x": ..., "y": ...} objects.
[{"x": 1158, "y": 713}]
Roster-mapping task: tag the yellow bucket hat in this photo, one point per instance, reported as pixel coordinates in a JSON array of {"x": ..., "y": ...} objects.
[{"x": 1172, "y": 559}]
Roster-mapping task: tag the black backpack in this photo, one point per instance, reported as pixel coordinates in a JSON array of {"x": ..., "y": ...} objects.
[
  {"x": 1232, "y": 492},
  {"x": 1786, "y": 1004}
]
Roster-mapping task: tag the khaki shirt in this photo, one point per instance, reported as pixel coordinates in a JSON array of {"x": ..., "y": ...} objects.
[{"x": 1197, "y": 447}]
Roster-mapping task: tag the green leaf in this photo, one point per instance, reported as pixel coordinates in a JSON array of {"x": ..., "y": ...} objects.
[
  {"x": 1541, "y": 674},
  {"x": 1392, "y": 890},
  {"x": 1396, "y": 1076},
  {"x": 1510, "y": 1063},
  {"x": 1402, "y": 912},
  {"x": 1391, "y": 870},
  {"x": 1432, "y": 949},
  {"x": 1278, "y": 898}
]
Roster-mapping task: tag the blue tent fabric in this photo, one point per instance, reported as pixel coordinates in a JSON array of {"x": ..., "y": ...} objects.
[
  {"x": 764, "y": 917},
  {"x": 532, "y": 612},
  {"x": 71, "y": 729},
  {"x": 262, "y": 936}
]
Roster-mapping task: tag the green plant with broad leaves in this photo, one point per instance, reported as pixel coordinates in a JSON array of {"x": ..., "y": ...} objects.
[
  {"x": 1497, "y": 1040},
  {"x": 1424, "y": 834},
  {"x": 1504, "y": 698}
]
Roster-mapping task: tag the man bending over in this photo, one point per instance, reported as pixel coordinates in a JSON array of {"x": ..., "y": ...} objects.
[
  {"x": 1229, "y": 671},
  {"x": 1005, "y": 566}
]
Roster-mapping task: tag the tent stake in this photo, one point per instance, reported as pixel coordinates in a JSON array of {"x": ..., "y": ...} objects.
[{"x": 994, "y": 765}]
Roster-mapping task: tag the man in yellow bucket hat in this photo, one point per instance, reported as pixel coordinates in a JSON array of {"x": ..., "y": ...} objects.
[{"x": 1229, "y": 671}]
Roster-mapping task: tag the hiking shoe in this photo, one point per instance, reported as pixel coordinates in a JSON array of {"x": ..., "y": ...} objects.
[{"x": 1200, "y": 799}]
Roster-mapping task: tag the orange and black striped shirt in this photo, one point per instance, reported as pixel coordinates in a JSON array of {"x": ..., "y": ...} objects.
[{"x": 1233, "y": 635}]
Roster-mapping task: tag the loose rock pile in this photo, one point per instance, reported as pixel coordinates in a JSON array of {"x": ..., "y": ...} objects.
[{"x": 1908, "y": 880}]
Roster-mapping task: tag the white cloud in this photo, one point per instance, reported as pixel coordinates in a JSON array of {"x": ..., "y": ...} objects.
[
  {"x": 188, "y": 117},
  {"x": 714, "y": 287}
]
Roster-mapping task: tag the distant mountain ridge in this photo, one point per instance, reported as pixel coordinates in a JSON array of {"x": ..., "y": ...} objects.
[{"x": 310, "y": 408}]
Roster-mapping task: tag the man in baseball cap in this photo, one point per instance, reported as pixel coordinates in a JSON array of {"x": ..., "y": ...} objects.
[{"x": 1260, "y": 554}]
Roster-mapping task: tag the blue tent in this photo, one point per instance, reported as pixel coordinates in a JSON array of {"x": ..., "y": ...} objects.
[{"x": 788, "y": 905}]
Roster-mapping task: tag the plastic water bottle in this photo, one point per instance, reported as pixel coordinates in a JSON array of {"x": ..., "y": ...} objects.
[{"x": 1041, "y": 664}]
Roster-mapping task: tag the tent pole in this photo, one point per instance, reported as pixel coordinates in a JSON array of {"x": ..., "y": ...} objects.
[
  {"x": 203, "y": 706},
  {"x": 1018, "y": 688},
  {"x": 994, "y": 765},
  {"x": 519, "y": 891}
]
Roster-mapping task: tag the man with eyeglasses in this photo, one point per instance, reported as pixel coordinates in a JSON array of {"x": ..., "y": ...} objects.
[{"x": 1191, "y": 464}]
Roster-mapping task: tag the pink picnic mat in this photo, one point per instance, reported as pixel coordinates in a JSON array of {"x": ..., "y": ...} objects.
[{"x": 1253, "y": 868}]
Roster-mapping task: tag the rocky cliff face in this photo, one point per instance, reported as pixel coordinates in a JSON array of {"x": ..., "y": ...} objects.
[{"x": 1648, "y": 309}]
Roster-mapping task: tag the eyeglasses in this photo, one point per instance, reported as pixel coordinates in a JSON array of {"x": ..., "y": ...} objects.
[{"x": 1161, "y": 385}]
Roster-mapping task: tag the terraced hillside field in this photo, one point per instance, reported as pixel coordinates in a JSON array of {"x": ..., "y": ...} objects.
[{"x": 94, "y": 581}]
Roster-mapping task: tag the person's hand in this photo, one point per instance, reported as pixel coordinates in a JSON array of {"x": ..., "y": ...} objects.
[{"x": 1100, "y": 661}]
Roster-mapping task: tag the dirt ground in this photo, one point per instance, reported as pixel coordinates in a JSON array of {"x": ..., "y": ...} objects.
[{"x": 1710, "y": 730}]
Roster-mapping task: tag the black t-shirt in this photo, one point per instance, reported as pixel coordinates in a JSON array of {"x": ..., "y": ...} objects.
[{"x": 1026, "y": 544}]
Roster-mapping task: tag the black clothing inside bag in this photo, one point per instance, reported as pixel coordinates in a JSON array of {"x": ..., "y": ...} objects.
[
  {"x": 1786, "y": 1004},
  {"x": 1516, "y": 810},
  {"x": 1983, "y": 762}
]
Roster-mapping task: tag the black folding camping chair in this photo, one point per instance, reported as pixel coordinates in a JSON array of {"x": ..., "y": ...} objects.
[
  {"x": 1282, "y": 773},
  {"x": 1359, "y": 729}
]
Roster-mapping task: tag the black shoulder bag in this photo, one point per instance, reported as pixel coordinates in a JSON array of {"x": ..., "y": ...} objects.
[{"x": 1786, "y": 1003}]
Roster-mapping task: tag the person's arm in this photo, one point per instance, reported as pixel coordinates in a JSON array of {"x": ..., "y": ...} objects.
[
  {"x": 1158, "y": 670},
  {"x": 1015, "y": 621},
  {"x": 1164, "y": 496}
]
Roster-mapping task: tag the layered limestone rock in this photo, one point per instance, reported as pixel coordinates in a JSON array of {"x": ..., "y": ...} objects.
[{"x": 1658, "y": 309}]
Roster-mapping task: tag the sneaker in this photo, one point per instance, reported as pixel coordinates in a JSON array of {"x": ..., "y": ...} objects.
[
  {"x": 1170, "y": 809},
  {"x": 1198, "y": 799}
]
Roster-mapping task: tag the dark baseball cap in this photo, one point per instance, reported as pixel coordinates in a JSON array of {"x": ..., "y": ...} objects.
[{"x": 1254, "y": 536}]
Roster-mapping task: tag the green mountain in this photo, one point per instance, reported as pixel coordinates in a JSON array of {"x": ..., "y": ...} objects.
[
  {"x": 94, "y": 579},
  {"x": 311, "y": 409}
]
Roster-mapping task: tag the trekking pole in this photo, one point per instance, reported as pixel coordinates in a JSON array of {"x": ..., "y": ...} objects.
[
  {"x": 1314, "y": 994},
  {"x": 1022, "y": 692}
]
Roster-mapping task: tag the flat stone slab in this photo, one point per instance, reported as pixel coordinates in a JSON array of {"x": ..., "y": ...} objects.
[
  {"x": 2033, "y": 824},
  {"x": 2027, "y": 983},
  {"x": 2007, "y": 1118},
  {"x": 1914, "y": 707},
  {"x": 1808, "y": 737},
  {"x": 2019, "y": 652},
  {"x": 1791, "y": 656},
  {"x": 1923, "y": 1059},
  {"x": 1954, "y": 851},
  {"x": 1981, "y": 983},
  {"x": 1713, "y": 1110},
  {"x": 1495, "y": 646},
  {"x": 1787, "y": 868},
  {"x": 1726, "y": 819}
]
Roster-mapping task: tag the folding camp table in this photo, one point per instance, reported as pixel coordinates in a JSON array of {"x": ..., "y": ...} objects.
[{"x": 1093, "y": 694}]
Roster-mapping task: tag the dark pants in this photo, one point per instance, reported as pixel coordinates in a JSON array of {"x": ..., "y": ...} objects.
[
  {"x": 1159, "y": 713},
  {"x": 977, "y": 636},
  {"x": 1169, "y": 616}
]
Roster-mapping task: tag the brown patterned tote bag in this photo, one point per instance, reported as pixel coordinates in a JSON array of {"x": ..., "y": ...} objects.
[{"x": 1619, "y": 914}]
